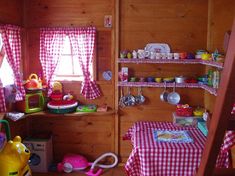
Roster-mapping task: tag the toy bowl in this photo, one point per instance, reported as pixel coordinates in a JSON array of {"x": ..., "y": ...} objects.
[
  {"x": 169, "y": 79},
  {"x": 185, "y": 112}
]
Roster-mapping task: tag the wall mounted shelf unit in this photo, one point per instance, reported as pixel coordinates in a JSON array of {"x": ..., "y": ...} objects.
[
  {"x": 218, "y": 65},
  {"x": 209, "y": 89}
]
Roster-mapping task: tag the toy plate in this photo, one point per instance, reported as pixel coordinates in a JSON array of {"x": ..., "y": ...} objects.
[
  {"x": 158, "y": 47},
  {"x": 171, "y": 136}
]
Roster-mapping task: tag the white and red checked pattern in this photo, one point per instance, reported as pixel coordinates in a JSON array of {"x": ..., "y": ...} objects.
[
  {"x": 2, "y": 99},
  {"x": 223, "y": 160},
  {"x": 150, "y": 158},
  {"x": 11, "y": 36},
  {"x": 51, "y": 46},
  {"x": 83, "y": 41}
]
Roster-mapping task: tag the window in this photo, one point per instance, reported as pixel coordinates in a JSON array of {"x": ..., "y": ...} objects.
[
  {"x": 68, "y": 67},
  {"x": 6, "y": 73}
]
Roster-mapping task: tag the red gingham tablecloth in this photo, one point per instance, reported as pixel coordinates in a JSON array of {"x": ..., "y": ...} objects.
[{"x": 151, "y": 158}]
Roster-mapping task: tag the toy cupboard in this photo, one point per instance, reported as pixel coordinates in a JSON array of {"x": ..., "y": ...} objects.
[{"x": 186, "y": 25}]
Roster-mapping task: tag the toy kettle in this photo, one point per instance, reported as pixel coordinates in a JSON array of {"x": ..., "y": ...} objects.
[{"x": 33, "y": 82}]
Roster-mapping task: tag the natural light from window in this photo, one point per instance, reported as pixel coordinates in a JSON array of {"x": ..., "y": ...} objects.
[
  {"x": 68, "y": 67},
  {"x": 6, "y": 73}
]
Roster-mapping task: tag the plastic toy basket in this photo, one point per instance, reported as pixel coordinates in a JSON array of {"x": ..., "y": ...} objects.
[{"x": 185, "y": 112}]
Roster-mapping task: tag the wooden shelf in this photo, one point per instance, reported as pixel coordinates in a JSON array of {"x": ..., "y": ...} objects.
[
  {"x": 211, "y": 90},
  {"x": 218, "y": 65}
]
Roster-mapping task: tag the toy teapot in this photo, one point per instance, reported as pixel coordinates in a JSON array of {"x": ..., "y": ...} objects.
[{"x": 33, "y": 82}]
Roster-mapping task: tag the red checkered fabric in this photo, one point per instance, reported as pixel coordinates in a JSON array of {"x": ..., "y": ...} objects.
[
  {"x": 2, "y": 99},
  {"x": 82, "y": 42},
  {"x": 11, "y": 36},
  {"x": 51, "y": 47},
  {"x": 223, "y": 160},
  {"x": 151, "y": 158}
]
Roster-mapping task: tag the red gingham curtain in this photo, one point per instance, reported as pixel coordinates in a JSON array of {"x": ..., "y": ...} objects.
[
  {"x": 2, "y": 99},
  {"x": 12, "y": 43},
  {"x": 83, "y": 41},
  {"x": 223, "y": 159},
  {"x": 51, "y": 46}
]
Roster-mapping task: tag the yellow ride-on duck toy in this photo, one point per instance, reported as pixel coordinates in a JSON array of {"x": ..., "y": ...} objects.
[{"x": 14, "y": 156}]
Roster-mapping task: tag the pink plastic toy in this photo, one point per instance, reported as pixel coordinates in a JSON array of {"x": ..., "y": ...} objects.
[{"x": 75, "y": 162}]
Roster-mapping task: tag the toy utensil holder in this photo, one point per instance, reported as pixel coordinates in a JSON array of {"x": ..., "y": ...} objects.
[{"x": 7, "y": 129}]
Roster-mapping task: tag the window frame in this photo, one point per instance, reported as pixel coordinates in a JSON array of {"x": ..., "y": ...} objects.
[
  {"x": 3, "y": 59},
  {"x": 80, "y": 78}
]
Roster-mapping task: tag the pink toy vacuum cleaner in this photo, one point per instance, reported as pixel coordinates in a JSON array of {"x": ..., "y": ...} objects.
[{"x": 75, "y": 162}]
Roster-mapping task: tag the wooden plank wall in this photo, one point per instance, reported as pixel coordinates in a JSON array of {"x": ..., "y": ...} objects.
[
  {"x": 88, "y": 135},
  {"x": 11, "y": 12},
  {"x": 182, "y": 25},
  {"x": 221, "y": 15}
]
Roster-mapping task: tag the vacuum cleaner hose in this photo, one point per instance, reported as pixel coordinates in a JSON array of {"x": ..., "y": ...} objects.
[{"x": 105, "y": 166}]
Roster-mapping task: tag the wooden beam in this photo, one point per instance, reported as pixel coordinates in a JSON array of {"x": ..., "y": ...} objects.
[{"x": 116, "y": 54}]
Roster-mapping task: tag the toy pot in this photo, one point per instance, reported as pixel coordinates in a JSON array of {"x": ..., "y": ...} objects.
[
  {"x": 173, "y": 97},
  {"x": 180, "y": 79},
  {"x": 164, "y": 94}
]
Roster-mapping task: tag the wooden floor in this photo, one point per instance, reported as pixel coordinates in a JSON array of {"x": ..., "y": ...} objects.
[{"x": 118, "y": 171}]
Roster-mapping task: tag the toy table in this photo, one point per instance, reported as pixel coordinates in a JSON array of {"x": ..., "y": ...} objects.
[{"x": 152, "y": 158}]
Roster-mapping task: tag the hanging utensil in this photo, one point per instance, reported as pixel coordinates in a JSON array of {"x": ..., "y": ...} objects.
[
  {"x": 130, "y": 99},
  {"x": 164, "y": 94},
  {"x": 173, "y": 97},
  {"x": 139, "y": 99},
  {"x": 122, "y": 99}
]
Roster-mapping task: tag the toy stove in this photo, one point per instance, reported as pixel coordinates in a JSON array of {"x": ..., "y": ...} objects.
[{"x": 41, "y": 153}]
